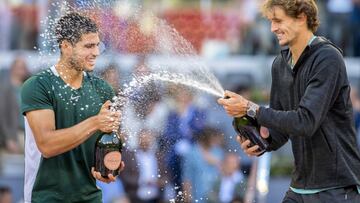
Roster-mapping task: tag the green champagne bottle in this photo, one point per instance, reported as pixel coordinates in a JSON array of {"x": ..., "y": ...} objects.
[
  {"x": 108, "y": 154},
  {"x": 249, "y": 129}
]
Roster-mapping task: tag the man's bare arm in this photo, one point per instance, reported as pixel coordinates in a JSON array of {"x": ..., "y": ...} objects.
[{"x": 52, "y": 142}]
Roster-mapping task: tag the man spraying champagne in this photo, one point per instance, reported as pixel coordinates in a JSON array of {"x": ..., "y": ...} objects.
[{"x": 310, "y": 105}]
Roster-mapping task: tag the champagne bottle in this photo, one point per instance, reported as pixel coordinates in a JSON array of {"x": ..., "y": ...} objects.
[
  {"x": 108, "y": 154},
  {"x": 249, "y": 129},
  {"x": 108, "y": 146}
]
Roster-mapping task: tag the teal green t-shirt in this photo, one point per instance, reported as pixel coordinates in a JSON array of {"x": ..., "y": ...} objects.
[{"x": 65, "y": 177}]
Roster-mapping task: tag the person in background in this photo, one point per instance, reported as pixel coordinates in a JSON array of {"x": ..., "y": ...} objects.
[
  {"x": 144, "y": 107},
  {"x": 184, "y": 120},
  {"x": 145, "y": 176},
  {"x": 231, "y": 185},
  {"x": 355, "y": 100},
  {"x": 115, "y": 191},
  {"x": 11, "y": 121},
  {"x": 355, "y": 28},
  {"x": 338, "y": 23},
  {"x": 310, "y": 105},
  {"x": 5, "y": 195},
  {"x": 5, "y": 25},
  {"x": 201, "y": 165},
  {"x": 111, "y": 74}
]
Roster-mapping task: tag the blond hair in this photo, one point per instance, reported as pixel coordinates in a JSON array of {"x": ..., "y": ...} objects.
[{"x": 294, "y": 8}]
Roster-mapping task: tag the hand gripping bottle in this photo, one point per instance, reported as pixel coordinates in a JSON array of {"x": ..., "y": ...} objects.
[{"x": 249, "y": 129}]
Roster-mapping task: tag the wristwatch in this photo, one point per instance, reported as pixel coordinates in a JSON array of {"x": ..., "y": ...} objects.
[{"x": 251, "y": 109}]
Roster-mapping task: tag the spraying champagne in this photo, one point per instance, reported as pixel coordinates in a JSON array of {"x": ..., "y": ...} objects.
[{"x": 108, "y": 149}]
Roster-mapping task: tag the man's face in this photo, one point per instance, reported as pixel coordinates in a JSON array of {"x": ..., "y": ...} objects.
[
  {"x": 283, "y": 26},
  {"x": 84, "y": 53}
]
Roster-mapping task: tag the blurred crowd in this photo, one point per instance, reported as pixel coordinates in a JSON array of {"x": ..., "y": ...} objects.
[
  {"x": 173, "y": 152},
  {"x": 215, "y": 28},
  {"x": 180, "y": 146},
  {"x": 175, "y": 148}
]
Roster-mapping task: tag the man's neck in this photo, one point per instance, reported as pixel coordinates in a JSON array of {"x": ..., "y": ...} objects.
[
  {"x": 70, "y": 76},
  {"x": 299, "y": 45}
]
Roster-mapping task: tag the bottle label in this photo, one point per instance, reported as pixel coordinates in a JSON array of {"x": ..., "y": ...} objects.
[
  {"x": 112, "y": 160},
  {"x": 115, "y": 140}
]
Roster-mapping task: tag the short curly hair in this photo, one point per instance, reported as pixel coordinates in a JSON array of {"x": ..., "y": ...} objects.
[
  {"x": 294, "y": 8},
  {"x": 72, "y": 26}
]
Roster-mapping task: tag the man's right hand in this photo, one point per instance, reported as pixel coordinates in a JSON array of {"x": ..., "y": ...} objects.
[
  {"x": 246, "y": 144},
  {"x": 108, "y": 121}
]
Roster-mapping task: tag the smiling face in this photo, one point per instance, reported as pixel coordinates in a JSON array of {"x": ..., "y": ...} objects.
[
  {"x": 286, "y": 28},
  {"x": 82, "y": 55}
]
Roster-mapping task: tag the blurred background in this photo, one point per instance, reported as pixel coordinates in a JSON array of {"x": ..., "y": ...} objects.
[{"x": 183, "y": 130}]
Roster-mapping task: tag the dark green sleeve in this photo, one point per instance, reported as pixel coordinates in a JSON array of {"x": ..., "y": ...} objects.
[{"x": 35, "y": 94}]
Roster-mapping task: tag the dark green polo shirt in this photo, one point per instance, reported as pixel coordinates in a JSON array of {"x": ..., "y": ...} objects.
[{"x": 65, "y": 177}]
